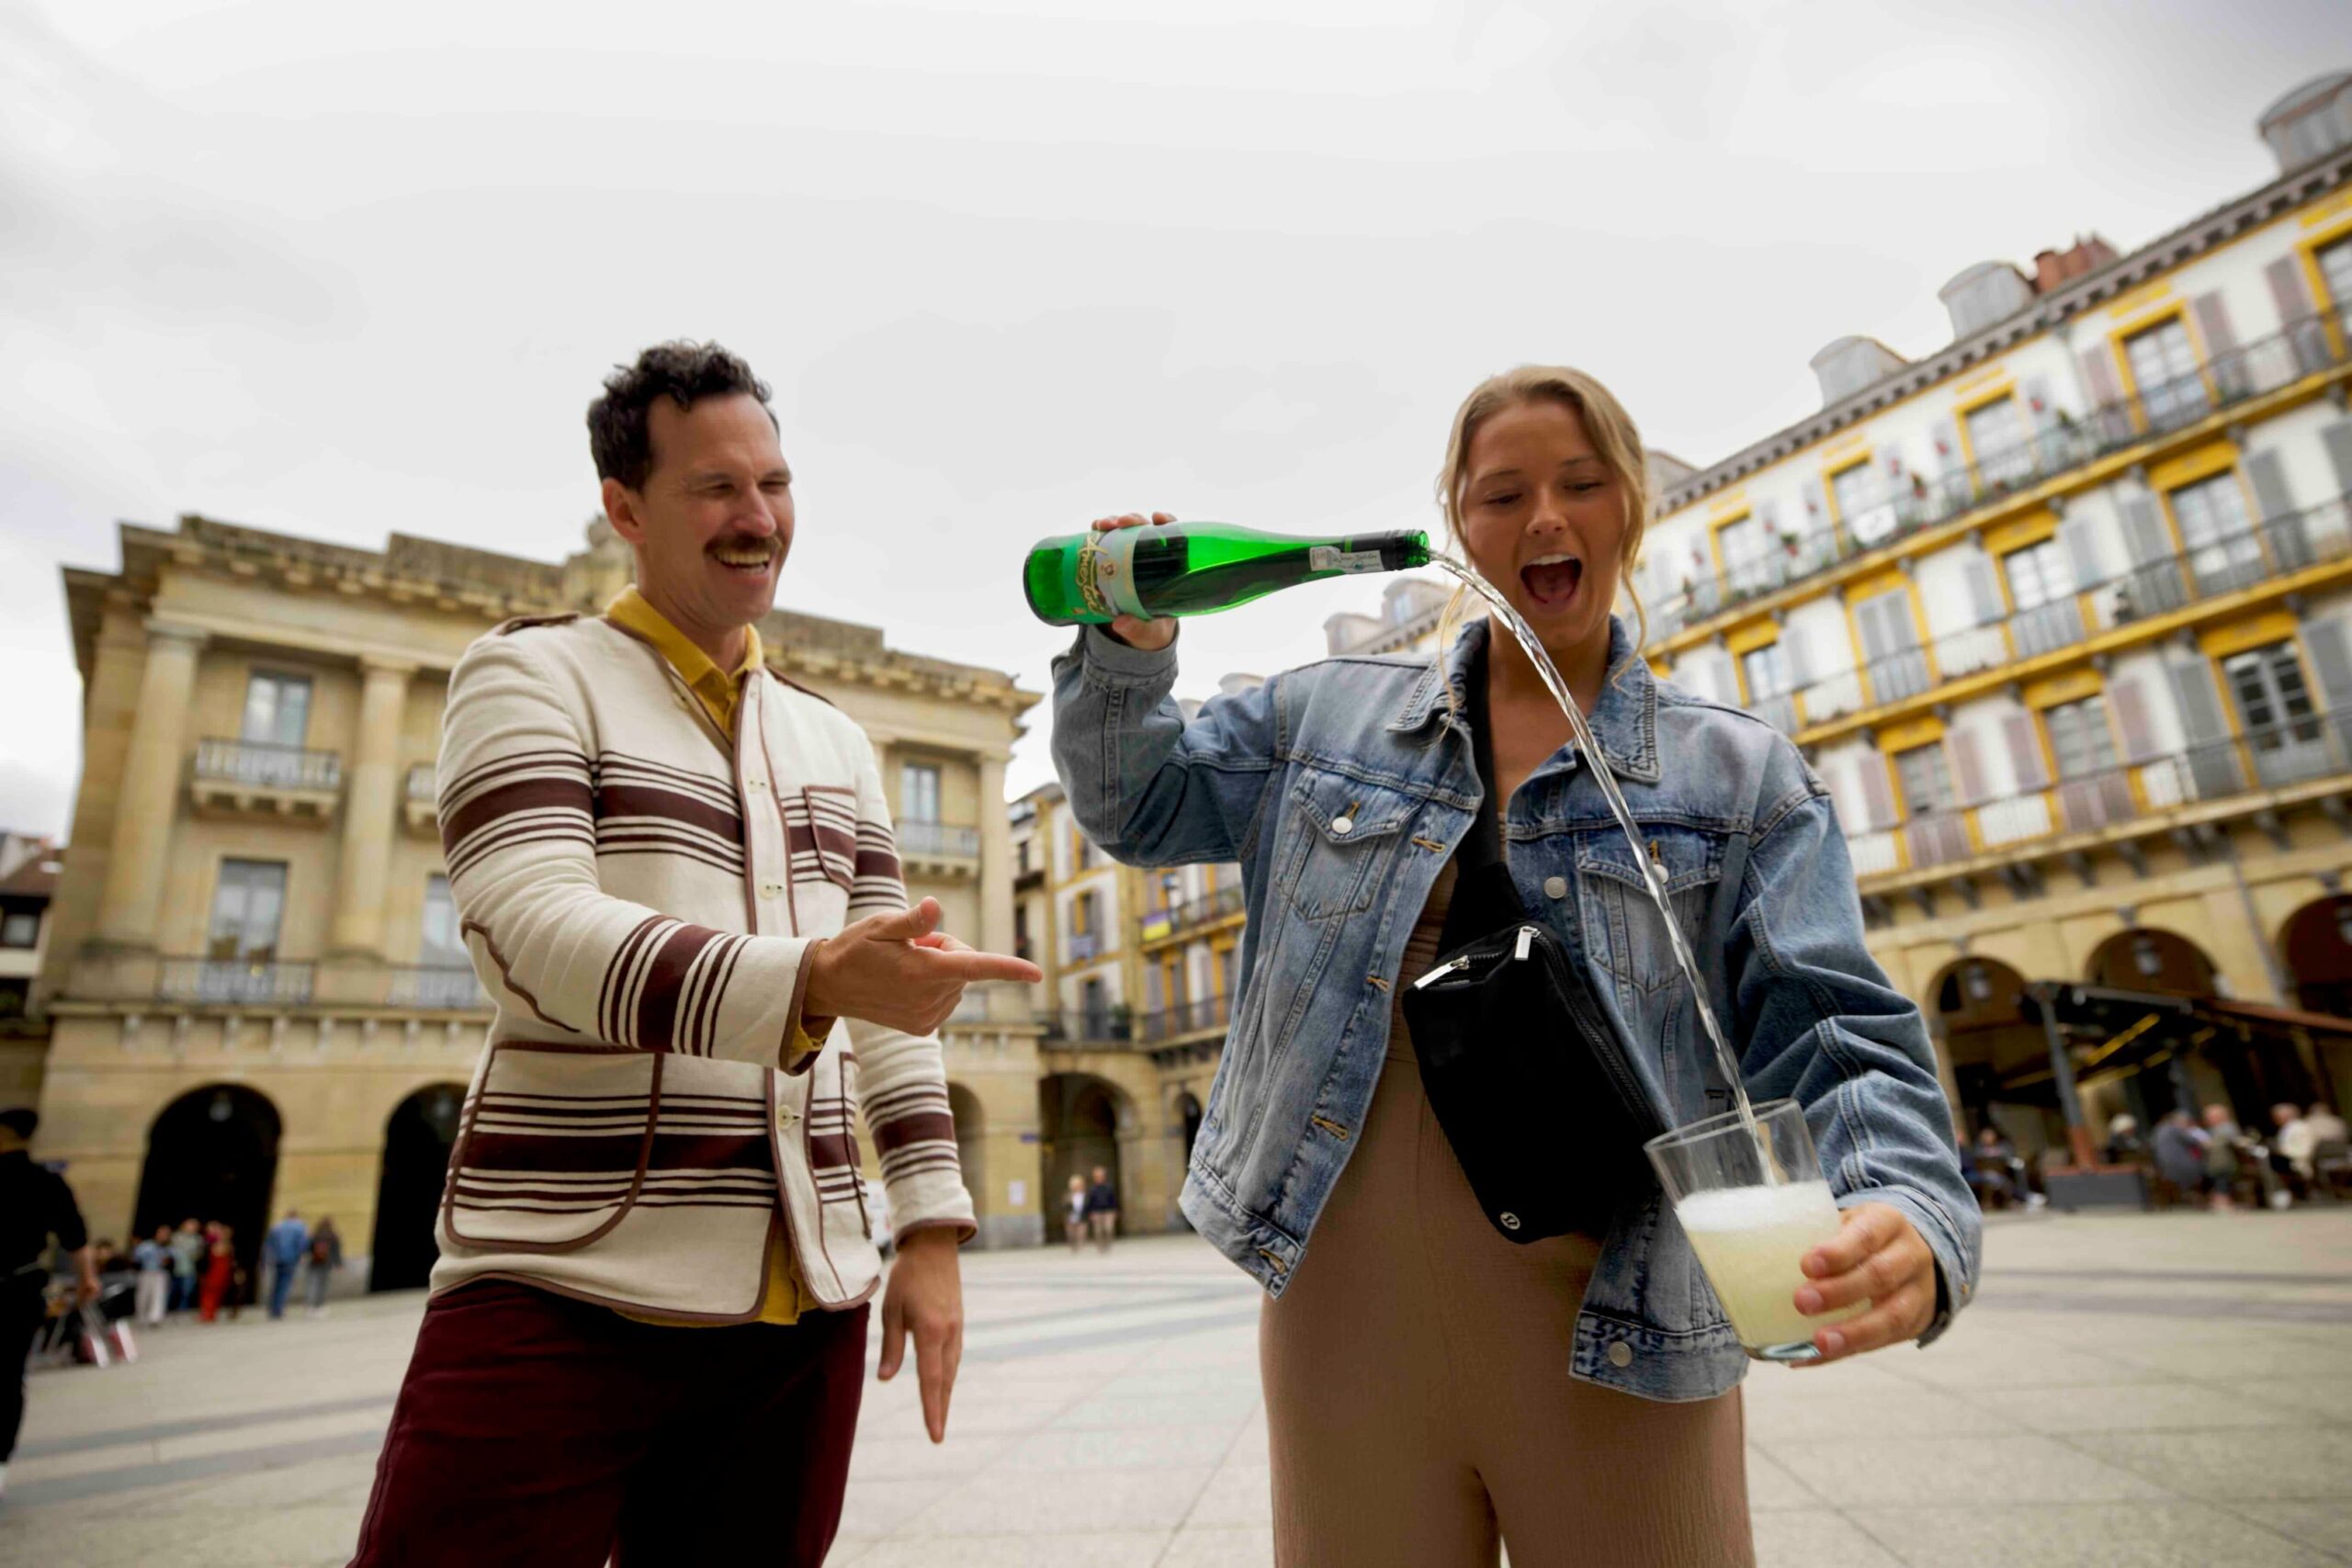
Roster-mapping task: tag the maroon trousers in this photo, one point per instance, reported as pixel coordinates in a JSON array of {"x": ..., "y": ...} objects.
[{"x": 540, "y": 1431}]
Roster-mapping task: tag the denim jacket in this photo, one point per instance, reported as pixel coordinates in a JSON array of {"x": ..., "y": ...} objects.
[{"x": 1343, "y": 788}]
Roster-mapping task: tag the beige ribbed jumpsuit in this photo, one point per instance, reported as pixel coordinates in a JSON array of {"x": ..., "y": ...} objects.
[{"x": 1417, "y": 1380}]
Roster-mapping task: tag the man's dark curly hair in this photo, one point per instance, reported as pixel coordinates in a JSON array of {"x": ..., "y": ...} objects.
[{"x": 683, "y": 372}]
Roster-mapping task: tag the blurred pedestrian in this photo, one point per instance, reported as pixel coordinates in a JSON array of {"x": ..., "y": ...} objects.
[
  {"x": 1103, "y": 1209},
  {"x": 188, "y": 1264},
  {"x": 2222, "y": 1139},
  {"x": 152, "y": 1257},
  {"x": 284, "y": 1247},
  {"x": 2326, "y": 1126},
  {"x": 2124, "y": 1144},
  {"x": 36, "y": 1206},
  {"x": 220, "y": 1272},
  {"x": 2180, "y": 1150},
  {"x": 1074, "y": 1216},
  {"x": 325, "y": 1257}
]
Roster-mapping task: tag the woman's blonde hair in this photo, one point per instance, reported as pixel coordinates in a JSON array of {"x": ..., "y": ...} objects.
[{"x": 1615, "y": 442}]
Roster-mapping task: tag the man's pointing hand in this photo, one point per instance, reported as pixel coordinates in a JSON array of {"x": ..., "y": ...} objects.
[{"x": 900, "y": 970}]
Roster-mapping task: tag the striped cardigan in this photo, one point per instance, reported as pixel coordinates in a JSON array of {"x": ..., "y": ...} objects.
[{"x": 641, "y": 896}]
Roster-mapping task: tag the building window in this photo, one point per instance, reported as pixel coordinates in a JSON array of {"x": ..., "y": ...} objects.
[
  {"x": 2164, "y": 372},
  {"x": 2216, "y": 533},
  {"x": 442, "y": 945},
  {"x": 919, "y": 792},
  {"x": 2037, "y": 575},
  {"x": 1863, "y": 507},
  {"x": 2275, "y": 704},
  {"x": 1924, "y": 779},
  {"x": 1996, "y": 439},
  {"x": 2080, "y": 737},
  {"x": 278, "y": 710},
  {"x": 1082, "y": 849},
  {"x": 1020, "y": 931},
  {"x": 1082, "y": 915},
  {"x": 1742, "y": 544},
  {"x": 1227, "y": 960},
  {"x": 20, "y": 928},
  {"x": 15, "y": 997},
  {"x": 1767, "y": 670},
  {"x": 1095, "y": 1001},
  {"x": 247, "y": 906},
  {"x": 2336, "y": 269}
]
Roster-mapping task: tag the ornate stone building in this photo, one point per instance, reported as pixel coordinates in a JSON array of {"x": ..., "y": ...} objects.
[{"x": 252, "y": 986}]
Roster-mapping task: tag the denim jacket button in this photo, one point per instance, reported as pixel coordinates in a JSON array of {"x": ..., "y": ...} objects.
[
  {"x": 1555, "y": 887},
  {"x": 1620, "y": 1354},
  {"x": 1344, "y": 825}
]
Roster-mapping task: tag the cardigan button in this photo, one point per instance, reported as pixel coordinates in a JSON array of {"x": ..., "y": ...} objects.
[{"x": 771, "y": 889}]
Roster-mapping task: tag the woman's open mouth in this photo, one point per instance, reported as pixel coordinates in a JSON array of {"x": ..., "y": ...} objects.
[{"x": 1551, "y": 581}]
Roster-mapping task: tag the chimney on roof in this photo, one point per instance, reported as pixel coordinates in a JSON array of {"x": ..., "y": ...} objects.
[
  {"x": 2311, "y": 122},
  {"x": 1983, "y": 294},
  {"x": 1850, "y": 363},
  {"x": 2054, "y": 269}
]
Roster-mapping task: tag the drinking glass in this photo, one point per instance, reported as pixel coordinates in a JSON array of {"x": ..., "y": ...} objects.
[{"x": 1752, "y": 1225}]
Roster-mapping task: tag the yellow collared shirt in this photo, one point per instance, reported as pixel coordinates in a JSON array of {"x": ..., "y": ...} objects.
[{"x": 720, "y": 694}]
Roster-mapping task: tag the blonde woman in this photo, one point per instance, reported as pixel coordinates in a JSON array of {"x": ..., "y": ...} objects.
[
  {"x": 1074, "y": 1214},
  {"x": 1434, "y": 1390}
]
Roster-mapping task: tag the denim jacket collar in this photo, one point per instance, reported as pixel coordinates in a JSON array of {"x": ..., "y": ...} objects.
[{"x": 1624, "y": 720}]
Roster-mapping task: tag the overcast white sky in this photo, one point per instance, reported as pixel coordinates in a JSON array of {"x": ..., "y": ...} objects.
[{"x": 1007, "y": 266}]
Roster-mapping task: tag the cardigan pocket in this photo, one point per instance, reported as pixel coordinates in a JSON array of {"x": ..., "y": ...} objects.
[{"x": 553, "y": 1150}]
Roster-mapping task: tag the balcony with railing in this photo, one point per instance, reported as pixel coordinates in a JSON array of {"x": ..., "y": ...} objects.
[
  {"x": 2251, "y": 770},
  {"x": 939, "y": 848},
  {"x": 433, "y": 988},
  {"x": 1914, "y": 503},
  {"x": 1170, "y": 1024},
  {"x": 1182, "y": 920},
  {"x": 254, "y": 778},
  {"x": 236, "y": 982},
  {"x": 2266, "y": 553},
  {"x": 1091, "y": 1029},
  {"x": 265, "y": 983},
  {"x": 420, "y": 799}
]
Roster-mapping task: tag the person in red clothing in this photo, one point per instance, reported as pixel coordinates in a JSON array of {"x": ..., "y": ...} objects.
[{"x": 220, "y": 1272}]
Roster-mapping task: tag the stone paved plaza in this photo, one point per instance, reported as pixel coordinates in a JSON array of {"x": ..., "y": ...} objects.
[{"x": 2141, "y": 1390}]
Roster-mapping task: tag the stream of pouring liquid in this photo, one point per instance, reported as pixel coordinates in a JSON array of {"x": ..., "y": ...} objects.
[{"x": 1652, "y": 874}]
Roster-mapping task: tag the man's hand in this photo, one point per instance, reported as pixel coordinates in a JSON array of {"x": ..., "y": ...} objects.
[
  {"x": 1877, "y": 1257},
  {"x": 1149, "y": 636},
  {"x": 925, "y": 1298},
  {"x": 86, "y": 1277},
  {"x": 899, "y": 971}
]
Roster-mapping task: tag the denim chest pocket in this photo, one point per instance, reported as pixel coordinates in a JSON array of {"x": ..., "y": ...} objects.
[
  {"x": 1624, "y": 931},
  {"x": 1342, "y": 837}
]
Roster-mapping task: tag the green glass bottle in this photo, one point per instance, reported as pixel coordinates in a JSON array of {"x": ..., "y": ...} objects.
[{"x": 1191, "y": 569}]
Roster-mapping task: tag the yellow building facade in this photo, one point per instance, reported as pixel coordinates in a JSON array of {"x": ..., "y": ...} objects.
[
  {"x": 2061, "y": 616},
  {"x": 252, "y": 987}
]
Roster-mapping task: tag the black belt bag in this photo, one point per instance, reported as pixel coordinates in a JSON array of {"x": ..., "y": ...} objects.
[{"x": 1528, "y": 1075}]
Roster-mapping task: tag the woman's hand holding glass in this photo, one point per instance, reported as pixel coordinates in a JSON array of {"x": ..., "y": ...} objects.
[
  {"x": 1877, "y": 1256},
  {"x": 1150, "y": 636}
]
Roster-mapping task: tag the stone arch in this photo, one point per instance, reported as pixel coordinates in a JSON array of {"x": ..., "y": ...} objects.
[
  {"x": 1999, "y": 1057},
  {"x": 1083, "y": 1122},
  {"x": 2315, "y": 945},
  {"x": 2146, "y": 958},
  {"x": 212, "y": 1154},
  {"x": 971, "y": 1141},
  {"x": 417, "y": 1138}
]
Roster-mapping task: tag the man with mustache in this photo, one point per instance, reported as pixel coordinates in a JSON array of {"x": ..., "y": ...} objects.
[{"x": 676, "y": 873}]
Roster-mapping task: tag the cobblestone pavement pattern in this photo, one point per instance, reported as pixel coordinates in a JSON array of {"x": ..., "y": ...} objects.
[{"x": 2140, "y": 1390}]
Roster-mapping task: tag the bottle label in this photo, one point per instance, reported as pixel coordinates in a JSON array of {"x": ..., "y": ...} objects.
[
  {"x": 1106, "y": 578},
  {"x": 1331, "y": 557}
]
